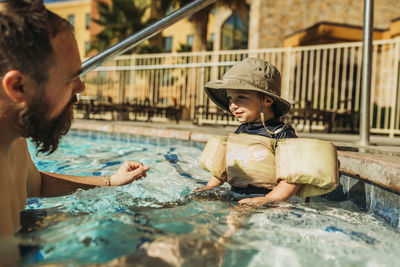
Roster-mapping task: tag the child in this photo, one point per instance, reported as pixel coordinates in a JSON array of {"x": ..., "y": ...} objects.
[{"x": 251, "y": 91}]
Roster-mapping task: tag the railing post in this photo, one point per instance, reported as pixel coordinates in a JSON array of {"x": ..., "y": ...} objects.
[
  {"x": 133, "y": 40},
  {"x": 201, "y": 85},
  {"x": 286, "y": 93},
  {"x": 366, "y": 72},
  {"x": 132, "y": 78},
  {"x": 395, "y": 84}
]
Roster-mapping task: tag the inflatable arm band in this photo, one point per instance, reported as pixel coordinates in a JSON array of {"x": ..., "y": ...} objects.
[
  {"x": 213, "y": 157},
  {"x": 250, "y": 160},
  {"x": 310, "y": 162},
  {"x": 245, "y": 159}
]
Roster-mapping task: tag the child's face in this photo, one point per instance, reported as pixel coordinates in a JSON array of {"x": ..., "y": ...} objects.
[{"x": 245, "y": 105}]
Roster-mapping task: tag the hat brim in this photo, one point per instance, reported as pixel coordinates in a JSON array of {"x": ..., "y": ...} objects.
[{"x": 215, "y": 90}]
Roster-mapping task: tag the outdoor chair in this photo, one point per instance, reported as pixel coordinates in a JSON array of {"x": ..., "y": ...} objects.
[{"x": 330, "y": 119}]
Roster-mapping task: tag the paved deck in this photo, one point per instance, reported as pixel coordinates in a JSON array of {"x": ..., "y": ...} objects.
[{"x": 378, "y": 163}]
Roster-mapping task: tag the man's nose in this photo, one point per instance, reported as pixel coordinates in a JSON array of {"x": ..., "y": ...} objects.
[{"x": 79, "y": 87}]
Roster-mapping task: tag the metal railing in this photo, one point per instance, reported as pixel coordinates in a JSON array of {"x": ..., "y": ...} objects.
[
  {"x": 133, "y": 40},
  {"x": 327, "y": 77}
]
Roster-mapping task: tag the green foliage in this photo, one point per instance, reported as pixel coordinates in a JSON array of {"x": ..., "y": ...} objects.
[
  {"x": 120, "y": 20},
  {"x": 184, "y": 48},
  {"x": 210, "y": 45},
  {"x": 125, "y": 17},
  {"x": 148, "y": 48}
]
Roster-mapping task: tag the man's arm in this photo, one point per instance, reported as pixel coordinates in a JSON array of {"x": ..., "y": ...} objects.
[
  {"x": 46, "y": 184},
  {"x": 55, "y": 184},
  {"x": 9, "y": 253}
]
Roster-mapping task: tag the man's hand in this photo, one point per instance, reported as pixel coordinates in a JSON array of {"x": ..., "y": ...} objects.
[
  {"x": 128, "y": 172},
  {"x": 254, "y": 201}
]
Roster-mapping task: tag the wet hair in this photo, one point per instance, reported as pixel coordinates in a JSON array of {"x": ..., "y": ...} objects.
[{"x": 26, "y": 29}]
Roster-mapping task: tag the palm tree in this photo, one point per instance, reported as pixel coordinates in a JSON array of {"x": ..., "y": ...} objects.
[
  {"x": 124, "y": 17},
  {"x": 158, "y": 9},
  {"x": 119, "y": 20}
]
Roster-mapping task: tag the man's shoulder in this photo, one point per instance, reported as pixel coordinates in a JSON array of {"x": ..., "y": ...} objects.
[
  {"x": 15, "y": 168},
  {"x": 19, "y": 149},
  {"x": 20, "y": 141},
  {"x": 20, "y": 159}
]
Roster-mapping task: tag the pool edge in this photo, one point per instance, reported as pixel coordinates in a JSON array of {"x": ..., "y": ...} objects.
[{"x": 366, "y": 166}]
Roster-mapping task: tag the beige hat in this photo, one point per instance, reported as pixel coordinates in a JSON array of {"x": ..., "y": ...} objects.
[{"x": 249, "y": 74}]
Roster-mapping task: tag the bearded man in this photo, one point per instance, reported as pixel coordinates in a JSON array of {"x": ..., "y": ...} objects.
[{"x": 39, "y": 81}]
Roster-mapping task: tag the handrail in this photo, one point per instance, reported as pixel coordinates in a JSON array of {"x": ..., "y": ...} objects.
[
  {"x": 144, "y": 34},
  {"x": 366, "y": 73}
]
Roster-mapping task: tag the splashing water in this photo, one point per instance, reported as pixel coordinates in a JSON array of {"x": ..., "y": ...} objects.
[{"x": 160, "y": 220}]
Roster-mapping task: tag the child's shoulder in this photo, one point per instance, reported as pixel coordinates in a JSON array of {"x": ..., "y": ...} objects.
[{"x": 285, "y": 131}]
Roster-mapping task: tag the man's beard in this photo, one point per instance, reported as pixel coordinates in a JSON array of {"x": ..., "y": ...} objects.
[{"x": 44, "y": 133}]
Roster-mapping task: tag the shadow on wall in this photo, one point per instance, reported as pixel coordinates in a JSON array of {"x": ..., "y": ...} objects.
[{"x": 368, "y": 197}]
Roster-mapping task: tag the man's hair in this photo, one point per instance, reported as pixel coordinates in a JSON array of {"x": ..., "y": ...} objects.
[{"x": 26, "y": 28}]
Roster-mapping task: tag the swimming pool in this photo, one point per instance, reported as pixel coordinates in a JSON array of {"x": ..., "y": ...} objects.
[{"x": 161, "y": 220}]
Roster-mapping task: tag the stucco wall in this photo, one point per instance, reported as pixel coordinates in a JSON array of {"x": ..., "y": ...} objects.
[
  {"x": 79, "y": 9},
  {"x": 271, "y": 20}
]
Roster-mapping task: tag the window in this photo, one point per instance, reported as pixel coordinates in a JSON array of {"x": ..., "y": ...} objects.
[
  {"x": 168, "y": 44},
  {"x": 170, "y": 9},
  {"x": 71, "y": 20},
  {"x": 87, "y": 47},
  {"x": 190, "y": 38},
  {"x": 87, "y": 21},
  {"x": 210, "y": 42},
  {"x": 212, "y": 37},
  {"x": 235, "y": 33},
  {"x": 227, "y": 42}
]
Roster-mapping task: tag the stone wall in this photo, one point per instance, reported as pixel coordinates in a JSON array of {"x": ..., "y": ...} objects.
[{"x": 272, "y": 20}]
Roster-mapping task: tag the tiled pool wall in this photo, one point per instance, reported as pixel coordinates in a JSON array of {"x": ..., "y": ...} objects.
[
  {"x": 369, "y": 197},
  {"x": 369, "y": 180}
]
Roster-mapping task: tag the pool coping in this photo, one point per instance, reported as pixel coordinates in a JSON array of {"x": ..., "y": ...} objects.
[{"x": 380, "y": 169}]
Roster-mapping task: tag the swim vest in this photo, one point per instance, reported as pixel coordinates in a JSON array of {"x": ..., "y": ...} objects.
[{"x": 243, "y": 159}]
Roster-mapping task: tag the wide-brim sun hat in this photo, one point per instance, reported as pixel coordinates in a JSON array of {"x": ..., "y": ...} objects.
[{"x": 249, "y": 74}]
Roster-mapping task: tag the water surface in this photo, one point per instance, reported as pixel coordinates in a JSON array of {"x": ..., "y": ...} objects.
[{"x": 160, "y": 220}]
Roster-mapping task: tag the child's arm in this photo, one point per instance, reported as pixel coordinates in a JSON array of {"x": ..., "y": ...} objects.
[
  {"x": 283, "y": 191},
  {"x": 212, "y": 182}
]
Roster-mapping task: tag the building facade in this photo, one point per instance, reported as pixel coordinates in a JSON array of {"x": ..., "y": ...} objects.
[
  {"x": 78, "y": 13},
  {"x": 260, "y": 24},
  {"x": 272, "y": 21}
]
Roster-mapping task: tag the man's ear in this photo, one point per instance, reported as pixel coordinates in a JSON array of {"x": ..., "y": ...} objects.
[{"x": 13, "y": 85}]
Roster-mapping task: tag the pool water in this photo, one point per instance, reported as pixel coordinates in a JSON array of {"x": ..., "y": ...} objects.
[{"x": 161, "y": 221}]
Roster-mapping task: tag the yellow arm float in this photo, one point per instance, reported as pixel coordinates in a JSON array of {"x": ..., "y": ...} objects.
[
  {"x": 213, "y": 157},
  {"x": 310, "y": 162},
  {"x": 243, "y": 160}
]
